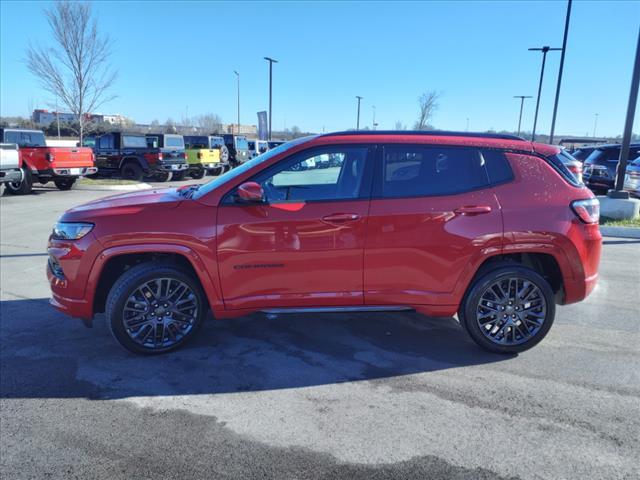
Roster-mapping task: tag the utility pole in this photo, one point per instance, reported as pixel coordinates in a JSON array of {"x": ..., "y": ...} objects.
[
  {"x": 271, "y": 62},
  {"x": 595, "y": 124},
  {"x": 564, "y": 49},
  {"x": 628, "y": 127},
  {"x": 358, "y": 119},
  {"x": 544, "y": 51},
  {"x": 521, "y": 97},
  {"x": 373, "y": 123},
  {"x": 238, "y": 78},
  {"x": 58, "y": 118}
]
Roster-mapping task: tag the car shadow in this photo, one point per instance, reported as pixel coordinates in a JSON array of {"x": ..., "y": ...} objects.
[{"x": 44, "y": 354}]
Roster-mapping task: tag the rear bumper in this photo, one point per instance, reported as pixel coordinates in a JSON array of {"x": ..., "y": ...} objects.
[
  {"x": 598, "y": 182},
  {"x": 170, "y": 167},
  {"x": 14, "y": 175},
  {"x": 66, "y": 172}
]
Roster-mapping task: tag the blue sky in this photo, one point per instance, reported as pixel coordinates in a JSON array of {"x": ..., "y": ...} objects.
[{"x": 175, "y": 57}]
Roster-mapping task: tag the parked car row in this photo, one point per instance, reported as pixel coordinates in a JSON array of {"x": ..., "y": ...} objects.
[
  {"x": 600, "y": 167},
  {"x": 26, "y": 158}
]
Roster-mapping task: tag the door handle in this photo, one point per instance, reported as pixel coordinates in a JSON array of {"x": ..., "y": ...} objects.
[
  {"x": 473, "y": 210},
  {"x": 341, "y": 217}
]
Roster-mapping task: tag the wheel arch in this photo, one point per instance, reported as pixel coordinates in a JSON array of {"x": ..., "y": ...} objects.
[
  {"x": 111, "y": 263},
  {"x": 131, "y": 158},
  {"x": 546, "y": 264}
]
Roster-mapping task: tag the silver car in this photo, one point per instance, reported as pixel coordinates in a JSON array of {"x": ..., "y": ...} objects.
[{"x": 632, "y": 178}]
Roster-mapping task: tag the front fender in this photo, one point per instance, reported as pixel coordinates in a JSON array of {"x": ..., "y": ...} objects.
[{"x": 211, "y": 289}]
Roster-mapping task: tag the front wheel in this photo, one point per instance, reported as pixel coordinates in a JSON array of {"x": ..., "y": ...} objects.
[
  {"x": 132, "y": 171},
  {"x": 163, "y": 176},
  {"x": 155, "y": 308},
  {"x": 177, "y": 176},
  {"x": 508, "y": 310},
  {"x": 64, "y": 183}
]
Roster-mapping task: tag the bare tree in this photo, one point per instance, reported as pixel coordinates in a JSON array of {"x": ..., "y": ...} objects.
[
  {"x": 75, "y": 69},
  {"x": 209, "y": 123},
  {"x": 170, "y": 126},
  {"x": 428, "y": 103},
  {"x": 400, "y": 126}
]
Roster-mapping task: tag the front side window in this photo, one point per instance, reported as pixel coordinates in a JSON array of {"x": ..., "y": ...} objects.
[
  {"x": 334, "y": 173},
  {"x": 430, "y": 170},
  {"x": 106, "y": 141}
]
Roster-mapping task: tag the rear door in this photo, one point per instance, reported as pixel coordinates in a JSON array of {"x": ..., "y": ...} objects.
[
  {"x": 304, "y": 245},
  {"x": 432, "y": 214}
]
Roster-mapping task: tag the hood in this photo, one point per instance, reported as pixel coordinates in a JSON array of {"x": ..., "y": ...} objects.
[{"x": 125, "y": 203}]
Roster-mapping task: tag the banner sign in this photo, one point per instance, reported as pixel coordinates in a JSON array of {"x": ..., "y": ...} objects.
[{"x": 263, "y": 127}]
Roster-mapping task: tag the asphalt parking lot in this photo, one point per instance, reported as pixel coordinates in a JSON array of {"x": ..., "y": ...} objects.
[{"x": 357, "y": 396}]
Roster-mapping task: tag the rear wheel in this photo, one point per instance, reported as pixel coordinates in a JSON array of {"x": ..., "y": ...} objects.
[
  {"x": 198, "y": 173},
  {"x": 177, "y": 176},
  {"x": 508, "y": 310},
  {"x": 22, "y": 187},
  {"x": 163, "y": 176},
  {"x": 132, "y": 171},
  {"x": 155, "y": 308},
  {"x": 64, "y": 183},
  {"x": 214, "y": 172}
]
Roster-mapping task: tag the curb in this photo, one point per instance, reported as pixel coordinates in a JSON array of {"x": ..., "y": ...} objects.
[
  {"x": 622, "y": 232},
  {"x": 118, "y": 188}
]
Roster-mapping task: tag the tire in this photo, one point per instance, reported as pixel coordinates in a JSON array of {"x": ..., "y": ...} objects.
[
  {"x": 125, "y": 293},
  {"x": 197, "y": 174},
  {"x": 1, "y": 189},
  {"x": 224, "y": 154},
  {"x": 65, "y": 183},
  {"x": 163, "y": 176},
  {"x": 532, "y": 310},
  {"x": 23, "y": 187},
  {"x": 132, "y": 171},
  {"x": 177, "y": 176},
  {"x": 215, "y": 172}
]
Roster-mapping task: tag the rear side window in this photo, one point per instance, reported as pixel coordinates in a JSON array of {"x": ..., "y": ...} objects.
[
  {"x": 106, "y": 141},
  {"x": 417, "y": 170},
  {"x": 558, "y": 162},
  {"x": 133, "y": 141}
]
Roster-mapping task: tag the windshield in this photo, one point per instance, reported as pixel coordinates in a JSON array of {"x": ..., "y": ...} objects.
[
  {"x": 134, "y": 141},
  {"x": 173, "y": 141},
  {"x": 231, "y": 174}
]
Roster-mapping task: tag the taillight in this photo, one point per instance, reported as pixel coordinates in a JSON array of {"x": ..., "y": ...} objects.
[
  {"x": 184, "y": 155},
  {"x": 199, "y": 155},
  {"x": 587, "y": 210},
  {"x": 159, "y": 155},
  {"x": 50, "y": 157}
]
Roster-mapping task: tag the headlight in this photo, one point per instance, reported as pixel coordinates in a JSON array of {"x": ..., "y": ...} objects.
[{"x": 71, "y": 231}]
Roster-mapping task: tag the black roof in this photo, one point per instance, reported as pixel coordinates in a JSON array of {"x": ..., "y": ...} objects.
[
  {"x": 437, "y": 133},
  {"x": 615, "y": 145}
]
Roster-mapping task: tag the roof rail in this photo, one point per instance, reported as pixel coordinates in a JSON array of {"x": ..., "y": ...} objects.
[{"x": 436, "y": 133}]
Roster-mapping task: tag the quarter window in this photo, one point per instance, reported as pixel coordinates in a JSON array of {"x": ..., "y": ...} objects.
[{"x": 426, "y": 170}]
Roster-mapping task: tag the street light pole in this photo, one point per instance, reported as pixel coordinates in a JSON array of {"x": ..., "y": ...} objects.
[
  {"x": 544, "y": 51},
  {"x": 238, "y": 77},
  {"x": 628, "y": 127},
  {"x": 373, "y": 123},
  {"x": 271, "y": 62},
  {"x": 595, "y": 124},
  {"x": 358, "y": 119},
  {"x": 564, "y": 49},
  {"x": 521, "y": 97}
]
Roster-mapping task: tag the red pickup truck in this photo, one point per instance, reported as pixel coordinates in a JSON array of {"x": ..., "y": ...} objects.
[{"x": 40, "y": 163}]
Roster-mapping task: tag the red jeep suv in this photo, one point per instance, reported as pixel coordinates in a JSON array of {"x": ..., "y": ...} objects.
[{"x": 491, "y": 227}]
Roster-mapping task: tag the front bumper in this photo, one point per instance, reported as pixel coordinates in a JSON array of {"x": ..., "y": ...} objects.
[
  {"x": 74, "y": 307},
  {"x": 11, "y": 176}
]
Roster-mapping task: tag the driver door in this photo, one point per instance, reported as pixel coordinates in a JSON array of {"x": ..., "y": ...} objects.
[{"x": 303, "y": 245}]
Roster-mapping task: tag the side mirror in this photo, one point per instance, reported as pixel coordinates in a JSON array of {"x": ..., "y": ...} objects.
[{"x": 251, "y": 192}]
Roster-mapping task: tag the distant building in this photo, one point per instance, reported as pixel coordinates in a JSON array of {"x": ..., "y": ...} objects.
[
  {"x": 249, "y": 130},
  {"x": 45, "y": 117}
]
